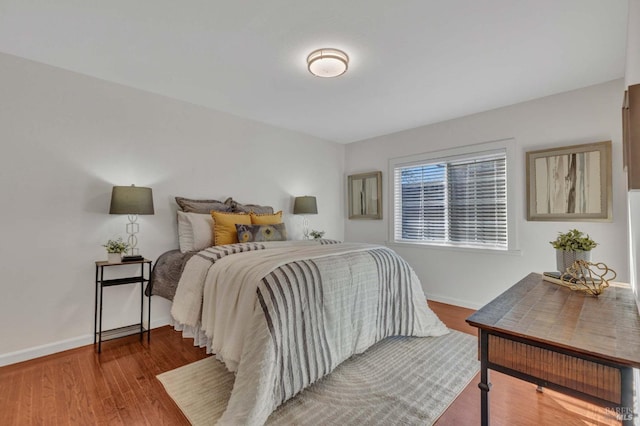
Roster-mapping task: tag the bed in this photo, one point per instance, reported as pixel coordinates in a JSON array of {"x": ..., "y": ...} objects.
[{"x": 283, "y": 314}]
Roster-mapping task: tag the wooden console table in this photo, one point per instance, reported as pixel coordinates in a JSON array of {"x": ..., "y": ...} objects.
[{"x": 564, "y": 340}]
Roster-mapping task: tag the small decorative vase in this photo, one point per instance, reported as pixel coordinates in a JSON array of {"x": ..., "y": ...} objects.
[
  {"x": 114, "y": 257},
  {"x": 566, "y": 258}
]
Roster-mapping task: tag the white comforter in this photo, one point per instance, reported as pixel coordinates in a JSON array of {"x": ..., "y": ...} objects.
[{"x": 284, "y": 318}]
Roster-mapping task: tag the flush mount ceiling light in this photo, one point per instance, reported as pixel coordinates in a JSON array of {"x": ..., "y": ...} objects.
[{"x": 327, "y": 62}]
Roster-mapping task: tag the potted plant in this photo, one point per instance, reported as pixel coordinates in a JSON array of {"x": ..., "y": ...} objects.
[
  {"x": 115, "y": 248},
  {"x": 316, "y": 234},
  {"x": 571, "y": 246}
]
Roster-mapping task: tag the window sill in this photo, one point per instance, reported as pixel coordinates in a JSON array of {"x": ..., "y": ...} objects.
[{"x": 440, "y": 247}]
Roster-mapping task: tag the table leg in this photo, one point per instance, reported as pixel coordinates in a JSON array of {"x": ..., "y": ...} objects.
[
  {"x": 149, "y": 308},
  {"x": 626, "y": 413},
  {"x": 100, "y": 320},
  {"x": 484, "y": 384},
  {"x": 141, "y": 303},
  {"x": 95, "y": 309}
]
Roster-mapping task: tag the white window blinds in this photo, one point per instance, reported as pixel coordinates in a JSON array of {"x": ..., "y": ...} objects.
[{"x": 461, "y": 201}]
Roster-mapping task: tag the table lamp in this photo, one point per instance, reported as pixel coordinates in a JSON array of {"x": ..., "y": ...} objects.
[
  {"x": 304, "y": 206},
  {"x": 132, "y": 201}
]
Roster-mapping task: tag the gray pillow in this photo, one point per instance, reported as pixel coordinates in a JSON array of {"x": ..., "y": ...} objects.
[
  {"x": 201, "y": 206},
  {"x": 250, "y": 233},
  {"x": 236, "y": 207}
]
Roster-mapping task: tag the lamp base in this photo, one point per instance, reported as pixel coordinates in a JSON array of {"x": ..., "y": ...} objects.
[
  {"x": 133, "y": 258},
  {"x": 305, "y": 228}
]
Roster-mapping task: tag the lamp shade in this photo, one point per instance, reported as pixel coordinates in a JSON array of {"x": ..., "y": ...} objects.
[
  {"x": 305, "y": 205},
  {"x": 131, "y": 200}
]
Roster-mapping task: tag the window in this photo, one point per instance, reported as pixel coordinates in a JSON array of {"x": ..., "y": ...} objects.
[{"x": 455, "y": 200}]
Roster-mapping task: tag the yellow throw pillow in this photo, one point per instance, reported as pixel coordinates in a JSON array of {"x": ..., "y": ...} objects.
[
  {"x": 266, "y": 219},
  {"x": 224, "y": 226}
]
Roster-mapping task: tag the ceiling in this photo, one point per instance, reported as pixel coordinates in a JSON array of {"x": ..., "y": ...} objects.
[{"x": 412, "y": 62}]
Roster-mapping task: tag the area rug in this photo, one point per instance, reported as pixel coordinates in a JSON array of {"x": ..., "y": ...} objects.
[{"x": 401, "y": 380}]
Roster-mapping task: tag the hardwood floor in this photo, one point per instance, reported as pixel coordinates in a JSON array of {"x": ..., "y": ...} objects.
[
  {"x": 80, "y": 387},
  {"x": 118, "y": 387}
]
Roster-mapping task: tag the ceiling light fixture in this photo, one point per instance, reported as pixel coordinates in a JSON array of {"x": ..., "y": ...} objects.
[{"x": 327, "y": 62}]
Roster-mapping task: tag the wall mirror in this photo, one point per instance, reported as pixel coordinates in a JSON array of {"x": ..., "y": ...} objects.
[{"x": 365, "y": 196}]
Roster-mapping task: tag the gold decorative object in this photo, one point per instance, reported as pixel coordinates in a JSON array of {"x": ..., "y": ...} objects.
[{"x": 591, "y": 278}]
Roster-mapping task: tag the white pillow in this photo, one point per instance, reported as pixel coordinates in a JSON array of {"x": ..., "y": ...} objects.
[{"x": 195, "y": 231}]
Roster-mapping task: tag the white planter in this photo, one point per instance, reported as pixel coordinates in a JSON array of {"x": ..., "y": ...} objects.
[
  {"x": 114, "y": 257},
  {"x": 565, "y": 259}
]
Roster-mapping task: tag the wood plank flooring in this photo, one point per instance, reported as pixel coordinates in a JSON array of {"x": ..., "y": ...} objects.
[{"x": 118, "y": 387}]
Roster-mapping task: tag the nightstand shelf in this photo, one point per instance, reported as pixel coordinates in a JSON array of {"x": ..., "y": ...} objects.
[
  {"x": 120, "y": 281},
  {"x": 101, "y": 335}
]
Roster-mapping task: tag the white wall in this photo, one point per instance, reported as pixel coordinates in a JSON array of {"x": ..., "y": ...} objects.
[
  {"x": 632, "y": 76},
  {"x": 66, "y": 139},
  {"x": 472, "y": 279},
  {"x": 632, "y": 65}
]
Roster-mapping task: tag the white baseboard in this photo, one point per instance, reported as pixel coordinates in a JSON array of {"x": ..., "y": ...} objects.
[
  {"x": 160, "y": 322},
  {"x": 43, "y": 350},
  {"x": 452, "y": 301},
  {"x": 62, "y": 345}
]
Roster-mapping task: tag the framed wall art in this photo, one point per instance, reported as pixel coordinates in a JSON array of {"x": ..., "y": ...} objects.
[
  {"x": 365, "y": 195},
  {"x": 571, "y": 183}
]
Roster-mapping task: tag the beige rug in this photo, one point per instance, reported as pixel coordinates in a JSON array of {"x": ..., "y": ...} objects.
[{"x": 401, "y": 380}]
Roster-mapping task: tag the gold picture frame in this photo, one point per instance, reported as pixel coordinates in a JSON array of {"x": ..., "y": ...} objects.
[
  {"x": 571, "y": 183},
  {"x": 365, "y": 195}
]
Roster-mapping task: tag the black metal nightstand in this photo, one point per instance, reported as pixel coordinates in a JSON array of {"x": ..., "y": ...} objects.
[{"x": 99, "y": 335}]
